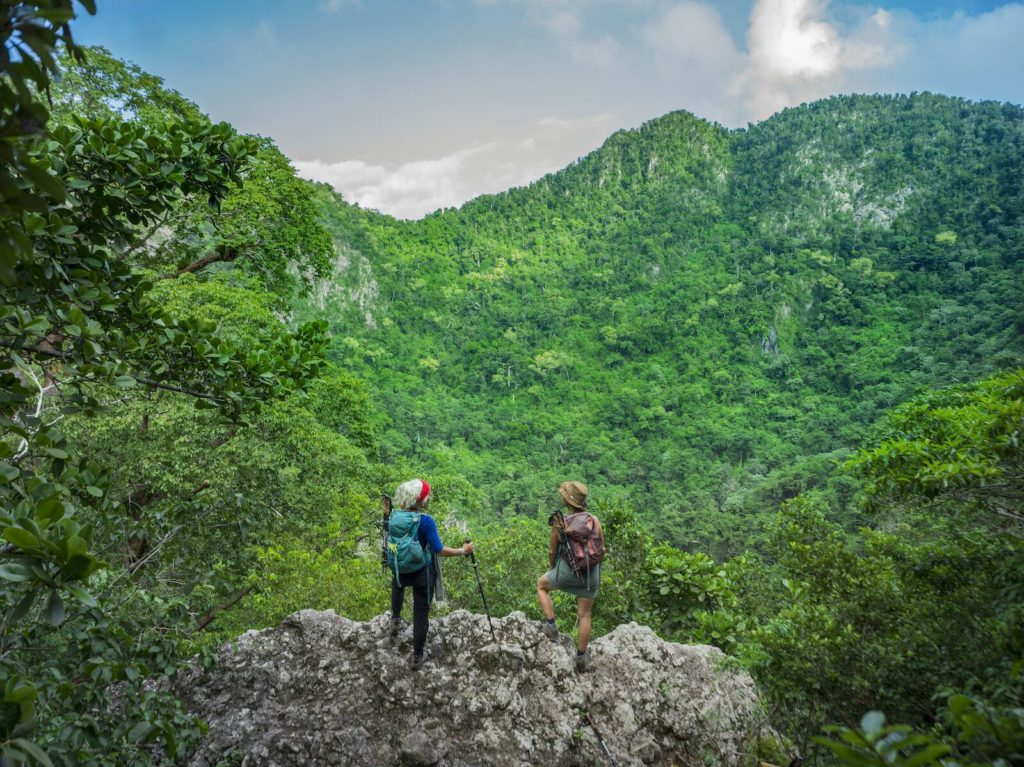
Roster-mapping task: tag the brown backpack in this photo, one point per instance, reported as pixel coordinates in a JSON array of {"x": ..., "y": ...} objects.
[{"x": 584, "y": 544}]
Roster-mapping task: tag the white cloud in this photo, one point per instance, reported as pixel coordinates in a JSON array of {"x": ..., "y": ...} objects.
[
  {"x": 788, "y": 39},
  {"x": 409, "y": 190},
  {"x": 413, "y": 189},
  {"x": 797, "y": 53}
]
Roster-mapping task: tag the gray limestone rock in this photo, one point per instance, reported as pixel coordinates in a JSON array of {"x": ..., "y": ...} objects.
[{"x": 324, "y": 690}]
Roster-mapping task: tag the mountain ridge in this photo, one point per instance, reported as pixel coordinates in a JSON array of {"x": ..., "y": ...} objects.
[{"x": 621, "y": 139}]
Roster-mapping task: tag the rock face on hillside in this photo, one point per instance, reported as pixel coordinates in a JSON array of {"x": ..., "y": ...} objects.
[{"x": 323, "y": 690}]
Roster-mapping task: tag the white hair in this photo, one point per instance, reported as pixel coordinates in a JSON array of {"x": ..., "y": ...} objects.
[{"x": 408, "y": 493}]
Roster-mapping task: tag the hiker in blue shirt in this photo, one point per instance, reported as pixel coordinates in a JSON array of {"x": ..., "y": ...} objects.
[{"x": 412, "y": 535}]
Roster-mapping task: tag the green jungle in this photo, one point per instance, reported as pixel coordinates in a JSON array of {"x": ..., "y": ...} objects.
[{"x": 787, "y": 360}]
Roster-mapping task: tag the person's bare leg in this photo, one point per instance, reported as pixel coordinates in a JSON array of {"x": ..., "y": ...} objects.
[
  {"x": 583, "y": 607},
  {"x": 544, "y": 589}
]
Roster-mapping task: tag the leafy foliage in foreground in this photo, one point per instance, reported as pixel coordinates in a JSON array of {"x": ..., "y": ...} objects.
[
  {"x": 980, "y": 734},
  {"x": 95, "y": 591}
]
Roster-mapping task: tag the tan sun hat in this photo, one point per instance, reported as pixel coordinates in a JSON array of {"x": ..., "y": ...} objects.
[{"x": 574, "y": 493}]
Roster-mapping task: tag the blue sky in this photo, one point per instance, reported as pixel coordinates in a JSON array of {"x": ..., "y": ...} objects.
[{"x": 410, "y": 106}]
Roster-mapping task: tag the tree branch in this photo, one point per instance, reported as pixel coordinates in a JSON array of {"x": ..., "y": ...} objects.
[
  {"x": 35, "y": 350},
  {"x": 225, "y": 254},
  {"x": 23, "y": 448},
  {"x": 218, "y": 441},
  {"x": 207, "y": 619},
  {"x": 145, "y": 238},
  {"x": 180, "y": 390}
]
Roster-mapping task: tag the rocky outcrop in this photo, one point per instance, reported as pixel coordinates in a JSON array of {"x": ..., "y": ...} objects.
[{"x": 324, "y": 690}]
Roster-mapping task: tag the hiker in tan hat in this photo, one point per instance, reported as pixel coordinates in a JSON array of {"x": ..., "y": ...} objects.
[{"x": 574, "y": 556}]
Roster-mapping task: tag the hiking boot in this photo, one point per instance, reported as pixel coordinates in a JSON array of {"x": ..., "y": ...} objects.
[
  {"x": 396, "y": 626},
  {"x": 418, "y": 659},
  {"x": 582, "y": 661},
  {"x": 550, "y": 630}
]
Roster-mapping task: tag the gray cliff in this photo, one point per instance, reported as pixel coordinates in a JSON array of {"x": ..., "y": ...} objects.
[{"x": 324, "y": 690}]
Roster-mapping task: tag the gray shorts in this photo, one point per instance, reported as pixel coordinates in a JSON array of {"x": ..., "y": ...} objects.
[{"x": 563, "y": 579}]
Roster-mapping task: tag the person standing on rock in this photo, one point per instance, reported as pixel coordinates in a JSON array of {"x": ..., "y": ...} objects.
[
  {"x": 411, "y": 538},
  {"x": 575, "y": 553}
]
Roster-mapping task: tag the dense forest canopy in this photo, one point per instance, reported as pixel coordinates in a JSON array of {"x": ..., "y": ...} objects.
[
  {"x": 786, "y": 359},
  {"x": 700, "y": 320}
]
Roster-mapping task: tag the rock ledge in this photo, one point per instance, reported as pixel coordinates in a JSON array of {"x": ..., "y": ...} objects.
[{"x": 323, "y": 690}]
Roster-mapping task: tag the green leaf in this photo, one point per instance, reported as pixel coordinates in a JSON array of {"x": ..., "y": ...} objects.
[
  {"x": 78, "y": 567},
  {"x": 125, "y": 382},
  {"x": 15, "y": 573},
  {"x": 33, "y": 751},
  {"x": 8, "y": 472},
  {"x": 94, "y": 491},
  {"x": 9, "y": 720},
  {"x": 928, "y": 755},
  {"x": 49, "y": 511},
  {"x": 850, "y": 756},
  {"x": 81, "y": 595},
  {"x": 170, "y": 741},
  {"x": 140, "y": 732},
  {"x": 21, "y": 538},
  {"x": 960, "y": 705},
  {"x": 21, "y": 609},
  {"x": 54, "y": 611},
  {"x": 872, "y": 723},
  {"x": 21, "y": 692}
]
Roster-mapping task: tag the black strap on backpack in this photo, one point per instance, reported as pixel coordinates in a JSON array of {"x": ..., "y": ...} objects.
[
  {"x": 384, "y": 533},
  {"x": 564, "y": 551}
]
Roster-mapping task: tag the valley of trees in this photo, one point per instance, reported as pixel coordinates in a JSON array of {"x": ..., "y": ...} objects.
[
  {"x": 787, "y": 360},
  {"x": 701, "y": 320}
]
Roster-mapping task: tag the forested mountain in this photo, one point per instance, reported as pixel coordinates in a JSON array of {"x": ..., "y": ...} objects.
[{"x": 703, "y": 320}]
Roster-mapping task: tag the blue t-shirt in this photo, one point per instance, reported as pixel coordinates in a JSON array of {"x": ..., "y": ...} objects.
[{"x": 429, "y": 539}]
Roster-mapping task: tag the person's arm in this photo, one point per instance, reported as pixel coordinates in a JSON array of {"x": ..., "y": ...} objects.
[
  {"x": 463, "y": 551},
  {"x": 429, "y": 528},
  {"x": 553, "y": 545}
]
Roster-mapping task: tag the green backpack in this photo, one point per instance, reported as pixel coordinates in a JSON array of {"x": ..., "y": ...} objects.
[{"x": 405, "y": 553}]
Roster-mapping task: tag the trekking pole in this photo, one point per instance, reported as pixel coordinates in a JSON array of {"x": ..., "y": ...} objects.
[
  {"x": 604, "y": 747},
  {"x": 479, "y": 585}
]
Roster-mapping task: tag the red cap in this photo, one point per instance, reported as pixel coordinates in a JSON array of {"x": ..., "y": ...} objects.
[{"x": 425, "y": 491}]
